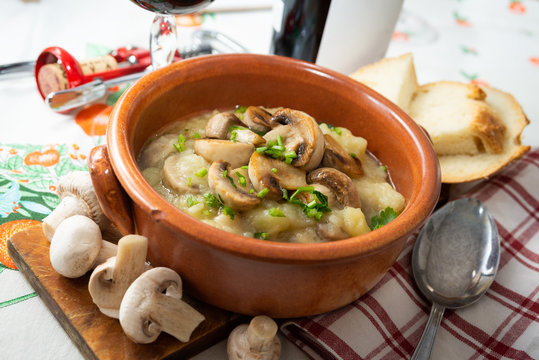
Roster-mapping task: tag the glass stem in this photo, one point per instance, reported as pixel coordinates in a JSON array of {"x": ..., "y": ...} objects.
[{"x": 163, "y": 42}]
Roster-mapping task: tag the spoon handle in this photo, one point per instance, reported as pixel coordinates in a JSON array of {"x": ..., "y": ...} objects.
[{"x": 424, "y": 347}]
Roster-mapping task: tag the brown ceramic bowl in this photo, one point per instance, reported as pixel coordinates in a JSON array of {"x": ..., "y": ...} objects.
[{"x": 247, "y": 275}]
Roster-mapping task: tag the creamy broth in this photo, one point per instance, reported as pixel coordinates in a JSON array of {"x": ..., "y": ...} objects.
[{"x": 181, "y": 171}]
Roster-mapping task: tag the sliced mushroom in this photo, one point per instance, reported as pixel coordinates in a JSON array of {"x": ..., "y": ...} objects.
[
  {"x": 301, "y": 134},
  {"x": 235, "y": 153},
  {"x": 258, "y": 340},
  {"x": 336, "y": 157},
  {"x": 77, "y": 247},
  {"x": 174, "y": 178},
  {"x": 283, "y": 177},
  {"x": 249, "y": 137},
  {"x": 77, "y": 197},
  {"x": 342, "y": 186},
  {"x": 157, "y": 150},
  {"x": 110, "y": 280},
  {"x": 153, "y": 304},
  {"x": 257, "y": 119},
  {"x": 232, "y": 194},
  {"x": 219, "y": 124},
  {"x": 330, "y": 231}
]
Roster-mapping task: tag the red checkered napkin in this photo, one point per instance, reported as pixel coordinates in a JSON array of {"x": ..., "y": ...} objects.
[{"x": 387, "y": 322}]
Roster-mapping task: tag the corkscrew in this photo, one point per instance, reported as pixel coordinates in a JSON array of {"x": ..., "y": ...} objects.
[{"x": 66, "y": 83}]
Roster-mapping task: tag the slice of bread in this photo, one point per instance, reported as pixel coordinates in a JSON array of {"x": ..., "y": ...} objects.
[
  {"x": 466, "y": 168},
  {"x": 458, "y": 119},
  {"x": 394, "y": 78}
]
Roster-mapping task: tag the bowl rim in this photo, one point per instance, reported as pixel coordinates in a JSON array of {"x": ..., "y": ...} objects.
[{"x": 143, "y": 195}]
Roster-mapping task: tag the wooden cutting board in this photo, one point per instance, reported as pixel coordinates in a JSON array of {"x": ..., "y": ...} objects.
[{"x": 96, "y": 335}]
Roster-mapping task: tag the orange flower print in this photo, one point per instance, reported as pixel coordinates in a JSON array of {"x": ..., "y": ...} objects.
[
  {"x": 190, "y": 20},
  {"x": 517, "y": 7},
  {"x": 12, "y": 151},
  {"x": 46, "y": 158},
  {"x": 462, "y": 21},
  {"x": 6, "y": 231},
  {"x": 479, "y": 82},
  {"x": 534, "y": 60},
  {"x": 94, "y": 119},
  {"x": 398, "y": 35}
]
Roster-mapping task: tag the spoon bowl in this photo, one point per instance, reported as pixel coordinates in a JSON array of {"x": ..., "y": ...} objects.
[{"x": 454, "y": 261}]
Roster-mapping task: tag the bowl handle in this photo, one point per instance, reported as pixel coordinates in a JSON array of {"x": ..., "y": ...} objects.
[{"x": 113, "y": 199}]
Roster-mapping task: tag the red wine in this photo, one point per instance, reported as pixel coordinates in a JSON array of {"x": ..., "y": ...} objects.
[
  {"x": 300, "y": 30},
  {"x": 172, "y": 6}
]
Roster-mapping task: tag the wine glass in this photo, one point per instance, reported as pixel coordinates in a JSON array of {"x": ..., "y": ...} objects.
[{"x": 163, "y": 43}]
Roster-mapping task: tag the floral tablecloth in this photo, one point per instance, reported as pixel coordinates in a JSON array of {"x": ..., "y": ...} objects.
[{"x": 494, "y": 42}]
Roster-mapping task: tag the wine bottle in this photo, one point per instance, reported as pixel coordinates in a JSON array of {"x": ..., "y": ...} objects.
[{"x": 339, "y": 34}]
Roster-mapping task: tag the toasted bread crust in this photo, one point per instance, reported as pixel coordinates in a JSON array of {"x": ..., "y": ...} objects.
[{"x": 465, "y": 168}]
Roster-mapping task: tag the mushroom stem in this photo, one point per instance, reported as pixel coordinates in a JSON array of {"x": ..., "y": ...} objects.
[
  {"x": 260, "y": 333},
  {"x": 174, "y": 316},
  {"x": 110, "y": 280},
  {"x": 153, "y": 304},
  {"x": 69, "y": 206},
  {"x": 107, "y": 250},
  {"x": 258, "y": 340}
]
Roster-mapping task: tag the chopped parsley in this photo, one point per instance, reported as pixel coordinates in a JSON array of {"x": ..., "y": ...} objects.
[
  {"x": 180, "y": 144},
  {"x": 262, "y": 192},
  {"x": 276, "y": 150},
  {"x": 196, "y": 136},
  {"x": 245, "y": 167},
  {"x": 383, "y": 218},
  {"x": 211, "y": 201},
  {"x": 191, "y": 200},
  {"x": 201, "y": 172},
  {"x": 316, "y": 208},
  {"x": 353, "y": 155},
  {"x": 335, "y": 129},
  {"x": 189, "y": 181},
  {"x": 227, "y": 210},
  {"x": 239, "y": 111},
  {"x": 276, "y": 212},
  {"x": 217, "y": 203},
  {"x": 261, "y": 235},
  {"x": 383, "y": 168},
  {"x": 241, "y": 179},
  {"x": 274, "y": 170}
]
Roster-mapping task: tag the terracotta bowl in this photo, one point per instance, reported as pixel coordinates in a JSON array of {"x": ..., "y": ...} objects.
[{"x": 246, "y": 275}]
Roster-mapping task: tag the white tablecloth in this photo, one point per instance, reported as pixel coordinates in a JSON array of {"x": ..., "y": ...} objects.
[{"x": 496, "y": 42}]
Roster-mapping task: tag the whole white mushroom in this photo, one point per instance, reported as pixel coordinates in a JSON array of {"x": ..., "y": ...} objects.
[
  {"x": 77, "y": 247},
  {"x": 256, "y": 341}
]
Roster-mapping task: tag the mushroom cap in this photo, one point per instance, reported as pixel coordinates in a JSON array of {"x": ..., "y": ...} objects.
[
  {"x": 232, "y": 195},
  {"x": 153, "y": 304},
  {"x": 257, "y": 119},
  {"x": 235, "y": 153},
  {"x": 342, "y": 186},
  {"x": 286, "y": 177},
  {"x": 336, "y": 157},
  {"x": 79, "y": 184},
  {"x": 75, "y": 246},
  {"x": 301, "y": 134},
  {"x": 219, "y": 124}
]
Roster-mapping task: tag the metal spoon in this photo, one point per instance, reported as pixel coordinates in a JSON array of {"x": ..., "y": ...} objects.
[{"x": 454, "y": 261}]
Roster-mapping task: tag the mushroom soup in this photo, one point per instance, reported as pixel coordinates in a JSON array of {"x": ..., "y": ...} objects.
[{"x": 273, "y": 174}]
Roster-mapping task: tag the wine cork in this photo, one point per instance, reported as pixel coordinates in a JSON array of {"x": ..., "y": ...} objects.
[{"x": 52, "y": 77}]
